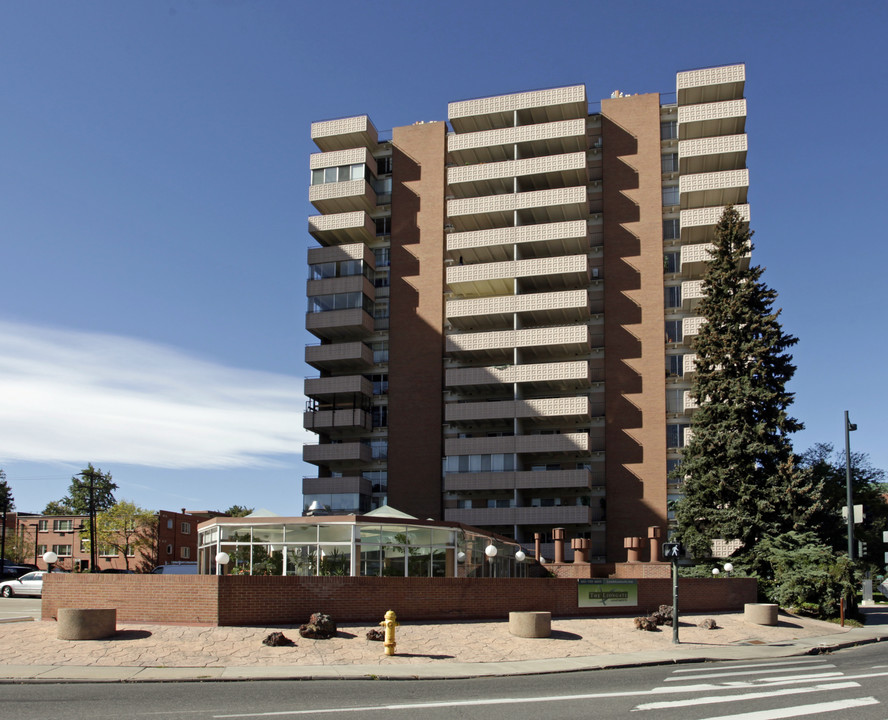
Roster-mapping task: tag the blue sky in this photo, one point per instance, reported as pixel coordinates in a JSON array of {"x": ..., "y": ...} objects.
[{"x": 154, "y": 195}]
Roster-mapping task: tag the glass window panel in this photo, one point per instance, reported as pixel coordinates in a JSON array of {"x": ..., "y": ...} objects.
[
  {"x": 330, "y": 175},
  {"x": 236, "y": 533},
  {"x": 357, "y": 171},
  {"x": 268, "y": 534},
  {"x": 299, "y": 534},
  {"x": 393, "y": 534},
  {"x": 334, "y": 533},
  {"x": 334, "y": 560},
  {"x": 393, "y": 562},
  {"x": 370, "y": 560},
  {"x": 301, "y": 560},
  {"x": 442, "y": 537},
  {"x": 317, "y": 177},
  {"x": 419, "y": 536}
]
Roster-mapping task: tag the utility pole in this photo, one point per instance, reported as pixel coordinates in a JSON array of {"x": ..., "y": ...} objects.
[{"x": 849, "y": 426}]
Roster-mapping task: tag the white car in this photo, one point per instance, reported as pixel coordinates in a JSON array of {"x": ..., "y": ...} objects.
[{"x": 30, "y": 584}]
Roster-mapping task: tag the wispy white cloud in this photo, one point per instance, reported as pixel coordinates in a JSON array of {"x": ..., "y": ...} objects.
[{"x": 74, "y": 397}]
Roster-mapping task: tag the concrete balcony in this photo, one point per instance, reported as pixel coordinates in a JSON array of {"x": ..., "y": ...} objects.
[
  {"x": 695, "y": 259},
  {"x": 558, "y": 444},
  {"x": 538, "y": 342},
  {"x": 688, "y": 401},
  {"x": 710, "y": 84},
  {"x": 351, "y": 132},
  {"x": 347, "y": 284},
  {"x": 553, "y": 308},
  {"x": 537, "y": 206},
  {"x": 561, "y": 376},
  {"x": 351, "y": 156},
  {"x": 339, "y": 253},
  {"x": 698, "y": 225},
  {"x": 537, "y": 275},
  {"x": 560, "y": 515},
  {"x": 712, "y": 119},
  {"x": 547, "y": 239},
  {"x": 340, "y": 325},
  {"x": 342, "y": 197},
  {"x": 339, "y": 357},
  {"x": 337, "y": 455},
  {"x": 356, "y": 484},
  {"x": 539, "y": 139},
  {"x": 520, "y": 480},
  {"x": 691, "y": 294},
  {"x": 342, "y": 228},
  {"x": 563, "y": 409},
  {"x": 712, "y": 154},
  {"x": 714, "y": 189},
  {"x": 328, "y": 387},
  {"x": 327, "y": 420},
  {"x": 690, "y": 327},
  {"x": 536, "y": 106},
  {"x": 536, "y": 173},
  {"x": 689, "y": 362}
]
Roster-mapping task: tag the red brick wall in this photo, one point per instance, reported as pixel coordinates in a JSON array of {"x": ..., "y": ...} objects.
[{"x": 246, "y": 600}]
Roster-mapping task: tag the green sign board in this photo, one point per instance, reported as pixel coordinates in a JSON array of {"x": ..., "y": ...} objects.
[{"x": 607, "y": 593}]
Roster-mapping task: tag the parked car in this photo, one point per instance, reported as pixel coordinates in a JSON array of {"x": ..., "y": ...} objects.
[
  {"x": 176, "y": 568},
  {"x": 11, "y": 571},
  {"x": 29, "y": 584}
]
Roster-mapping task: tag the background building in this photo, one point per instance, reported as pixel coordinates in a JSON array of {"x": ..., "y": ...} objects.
[{"x": 496, "y": 299}]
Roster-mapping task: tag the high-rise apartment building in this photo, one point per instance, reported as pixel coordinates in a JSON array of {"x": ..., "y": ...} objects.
[{"x": 505, "y": 305}]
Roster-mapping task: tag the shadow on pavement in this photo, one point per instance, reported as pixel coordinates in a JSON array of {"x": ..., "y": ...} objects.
[{"x": 129, "y": 635}]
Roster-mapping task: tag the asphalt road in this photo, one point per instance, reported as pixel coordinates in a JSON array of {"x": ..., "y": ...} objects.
[
  {"x": 16, "y": 607},
  {"x": 849, "y": 683}
]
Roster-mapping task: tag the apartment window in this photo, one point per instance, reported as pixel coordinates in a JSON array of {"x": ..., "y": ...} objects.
[
  {"x": 673, "y": 331},
  {"x": 342, "y": 173},
  {"x": 42, "y": 525},
  {"x": 41, "y": 549},
  {"x": 379, "y": 478},
  {"x": 379, "y": 415},
  {"x": 381, "y": 278},
  {"x": 383, "y": 187},
  {"x": 185, "y": 528},
  {"x": 336, "y": 301},
  {"x": 185, "y": 553},
  {"x": 670, "y": 163},
  {"x": 169, "y": 549},
  {"x": 380, "y": 383},
  {"x": 342, "y": 268},
  {"x": 62, "y": 550},
  {"x": 674, "y": 401},
  {"x": 670, "y": 195},
  {"x": 107, "y": 551},
  {"x": 675, "y": 365},
  {"x": 671, "y": 262},
  {"x": 169, "y": 523},
  {"x": 380, "y": 351},
  {"x": 383, "y": 227},
  {"x": 668, "y": 130},
  {"x": 381, "y": 314},
  {"x": 672, "y": 295},
  {"x": 675, "y": 435},
  {"x": 62, "y": 525},
  {"x": 379, "y": 449},
  {"x": 384, "y": 165},
  {"x": 671, "y": 466},
  {"x": 671, "y": 229}
]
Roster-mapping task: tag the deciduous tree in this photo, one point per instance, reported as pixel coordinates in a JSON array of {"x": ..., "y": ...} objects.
[{"x": 125, "y": 528}]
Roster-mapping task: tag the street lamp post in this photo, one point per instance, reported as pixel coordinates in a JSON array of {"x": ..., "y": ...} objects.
[
  {"x": 50, "y": 558},
  {"x": 490, "y": 551},
  {"x": 222, "y": 559},
  {"x": 849, "y": 427},
  {"x": 520, "y": 556}
]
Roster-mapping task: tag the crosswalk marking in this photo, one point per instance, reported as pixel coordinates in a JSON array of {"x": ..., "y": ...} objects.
[
  {"x": 730, "y": 673},
  {"x": 799, "y": 710},
  {"x": 742, "y": 697},
  {"x": 776, "y": 663}
]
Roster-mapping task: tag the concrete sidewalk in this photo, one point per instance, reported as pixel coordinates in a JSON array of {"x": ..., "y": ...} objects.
[{"x": 152, "y": 653}]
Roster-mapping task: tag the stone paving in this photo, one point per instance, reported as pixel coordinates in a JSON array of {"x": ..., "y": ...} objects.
[{"x": 163, "y": 646}]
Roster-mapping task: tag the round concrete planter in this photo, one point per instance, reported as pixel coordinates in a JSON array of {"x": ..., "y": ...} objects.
[
  {"x": 760, "y": 613},
  {"x": 81, "y": 624},
  {"x": 530, "y": 624}
]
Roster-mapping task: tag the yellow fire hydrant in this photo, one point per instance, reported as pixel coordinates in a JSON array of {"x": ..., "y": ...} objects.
[{"x": 390, "y": 623}]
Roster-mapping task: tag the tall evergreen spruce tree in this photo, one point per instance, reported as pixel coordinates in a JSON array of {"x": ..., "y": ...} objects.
[{"x": 740, "y": 481}]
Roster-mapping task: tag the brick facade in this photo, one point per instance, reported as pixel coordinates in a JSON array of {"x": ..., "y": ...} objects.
[{"x": 277, "y": 600}]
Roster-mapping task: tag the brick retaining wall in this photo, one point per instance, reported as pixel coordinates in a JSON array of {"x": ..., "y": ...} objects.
[{"x": 245, "y": 600}]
